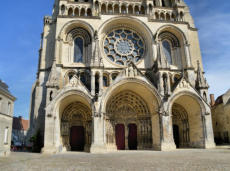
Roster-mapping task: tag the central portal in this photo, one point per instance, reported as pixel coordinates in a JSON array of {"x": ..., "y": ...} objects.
[
  {"x": 77, "y": 138},
  {"x": 128, "y": 122}
]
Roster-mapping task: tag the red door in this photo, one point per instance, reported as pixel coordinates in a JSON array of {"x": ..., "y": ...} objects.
[
  {"x": 132, "y": 137},
  {"x": 77, "y": 138},
  {"x": 120, "y": 136}
]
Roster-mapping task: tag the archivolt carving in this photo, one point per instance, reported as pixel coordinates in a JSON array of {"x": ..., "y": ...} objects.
[
  {"x": 76, "y": 111},
  {"x": 127, "y": 104},
  {"x": 169, "y": 36},
  {"x": 79, "y": 32}
]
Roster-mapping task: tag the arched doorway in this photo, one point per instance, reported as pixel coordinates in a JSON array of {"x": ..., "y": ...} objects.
[
  {"x": 128, "y": 122},
  {"x": 76, "y": 127},
  {"x": 187, "y": 123},
  {"x": 180, "y": 126}
]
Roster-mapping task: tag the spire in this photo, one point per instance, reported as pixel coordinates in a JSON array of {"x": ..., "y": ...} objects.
[
  {"x": 97, "y": 61},
  {"x": 53, "y": 76},
  {"x": 201, "y": 82}
]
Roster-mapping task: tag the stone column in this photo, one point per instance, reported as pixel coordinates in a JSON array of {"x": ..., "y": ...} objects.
[
  {"x": 179, "y": 59},
  {"x": 110, "y": 79},
  {"x": 101, "y": 83},
  {"x": 154, "y": 50},
  {"x": 106, "y": 8},
  {"x": 167, "y": 141},
  {"x": 99, "y": 9},
  {"x": 187, "y": 55},
  {"x": 208, "y": 131},
  {"x": 138, "y": 134},
  {"x": 93, "y": 83},
  {"x": 113, "y": 9},
  {"x": 169, "y": 85},
  {"x": 148, "y": 11},
  {"x": 156, "y": 132},
  {"x": 160, "y": 3},
  {"x": 98, "y": 144},
  {"x": 49, "y": 137},
  {"x": 161, "y": 87}
]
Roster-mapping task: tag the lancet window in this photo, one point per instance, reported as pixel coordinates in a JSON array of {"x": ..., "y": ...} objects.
[
  {"x": 171, "y": 49},
  {"x": 79, "y": 41},
  {"x": 78, "y": 49}
]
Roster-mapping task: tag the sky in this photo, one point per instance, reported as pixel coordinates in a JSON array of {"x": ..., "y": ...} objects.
[{"x": 22, "y": 24}]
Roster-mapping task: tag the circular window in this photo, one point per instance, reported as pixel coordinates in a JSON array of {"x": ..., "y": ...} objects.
[{"x": 122, "y": 45}]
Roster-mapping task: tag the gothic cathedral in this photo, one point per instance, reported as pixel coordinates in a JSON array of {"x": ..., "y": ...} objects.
[{"x": 120, "y": 75}]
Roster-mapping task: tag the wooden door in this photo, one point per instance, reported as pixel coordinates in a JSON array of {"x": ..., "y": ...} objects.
[
  {"x": 132, "y": 137},
  {"x": 77, "y": 138},
  {"x": 120, "y": 136}
]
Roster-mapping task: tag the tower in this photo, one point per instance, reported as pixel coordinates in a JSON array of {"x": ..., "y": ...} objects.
[{"x": 120, "y": 75}]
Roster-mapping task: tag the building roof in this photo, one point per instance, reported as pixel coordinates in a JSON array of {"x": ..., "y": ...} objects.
[
  {"x": 20, "y": 124},
  {"x": 5, "y": 91},
  {"x": 4, "y": 85},
  {"x": 223, "y": 99}
]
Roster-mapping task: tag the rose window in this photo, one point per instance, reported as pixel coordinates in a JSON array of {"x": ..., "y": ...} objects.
[{"x": 122, "y": 45}]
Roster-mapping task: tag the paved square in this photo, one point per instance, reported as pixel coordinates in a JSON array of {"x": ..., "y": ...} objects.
[{"x": 189, "y": 159}]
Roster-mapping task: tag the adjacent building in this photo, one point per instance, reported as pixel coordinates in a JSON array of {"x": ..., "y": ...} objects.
[
  {"x": 117, "y": 75},
  {"x": 6, "y": 118},
  {"x": 221, "y": 118},
  {"x": 19, "y": 132}
]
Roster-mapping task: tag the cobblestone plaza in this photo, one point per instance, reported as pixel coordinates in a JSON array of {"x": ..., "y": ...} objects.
[{"x": 182, "y": 159}]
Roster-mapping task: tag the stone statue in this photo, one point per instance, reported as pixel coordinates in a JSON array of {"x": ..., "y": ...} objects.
[
  {"x": 95, "y": 35},
  {"x": 165, "y": 84}
]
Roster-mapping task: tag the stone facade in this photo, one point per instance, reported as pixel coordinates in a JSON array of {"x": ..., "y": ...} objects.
[
  {"x": 6, "y": 115},
  {"x": 221, "y": 118},
  {"x": 120, "y": 75}
]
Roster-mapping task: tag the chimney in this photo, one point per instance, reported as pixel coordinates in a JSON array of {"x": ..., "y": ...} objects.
[{"x": 212, "y": 100}]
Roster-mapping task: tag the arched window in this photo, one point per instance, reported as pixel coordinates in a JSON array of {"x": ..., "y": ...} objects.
[
  {"x": 205, "y": 97},
  {"x": 110, "y": 8},
  {"x": 9, "y": 108},
  {"x": 114, "y": 76},
  {"x": 51, "y": 95},
  {"x": 62, "y": 9},
  {"x": 103, "y": 8},
  {"x": 166, "y": 3},
  {"x": 97, "y": 83},
  {"x": 167, "y": 51},
  {"x": 123, "y": 9},
  {"x": 78, "y": 49},
  {"x": 116, "y": 9},
  {"x": 105, "y": 80},
  {"x": 6, "y": 135},
  {"x": 70, "y": 75},
  {"x": 82, "y": 78},
  {"x": 170, "y": 48}
]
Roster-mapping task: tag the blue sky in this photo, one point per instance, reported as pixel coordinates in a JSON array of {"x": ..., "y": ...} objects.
[{"x": 22, "y": 24}]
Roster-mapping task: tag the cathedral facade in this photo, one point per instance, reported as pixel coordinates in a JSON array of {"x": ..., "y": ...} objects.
[{"x": 120, "y": 75}]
